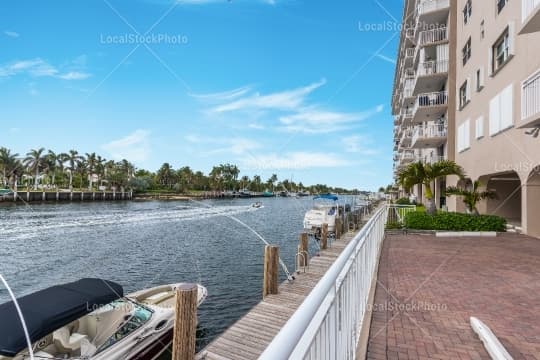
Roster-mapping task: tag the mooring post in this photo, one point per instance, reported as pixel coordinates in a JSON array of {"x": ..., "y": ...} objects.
[
  {"x": 324, "y": 236},
  {"x": 338, "y": 228},
  {"x": 303, "y": 259},
  {"x": 271, "y": 269},
  {"x": 185, "y": 322}
]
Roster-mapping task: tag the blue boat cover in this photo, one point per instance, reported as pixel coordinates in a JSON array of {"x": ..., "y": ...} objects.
[
  {"x": 48, "y": 310},
  {"x": 326, "y": 196}
]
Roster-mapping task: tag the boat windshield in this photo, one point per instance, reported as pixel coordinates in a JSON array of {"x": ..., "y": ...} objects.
[{"x": 133, "y": 321}]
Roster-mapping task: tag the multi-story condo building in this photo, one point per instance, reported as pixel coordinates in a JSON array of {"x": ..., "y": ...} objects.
[{"x": 467, "y": 88}]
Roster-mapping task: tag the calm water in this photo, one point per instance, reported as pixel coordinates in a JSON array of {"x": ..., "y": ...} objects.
[{"x": 144, "y": 244}]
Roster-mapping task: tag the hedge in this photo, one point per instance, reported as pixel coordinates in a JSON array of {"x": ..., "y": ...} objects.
[{"x": 451, "y": 221}]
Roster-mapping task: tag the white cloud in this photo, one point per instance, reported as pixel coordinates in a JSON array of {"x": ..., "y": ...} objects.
[
  {"x": 359, "y": 144},
  {"x": 236, "y": 145},
  {"x": 134, "y": 147},
  {"x": 12, "y": 34},
  {"x": 74, "y": 75},
  {"x": 39, "y": 68},
  {"x": 295, "y": 161},
  {"x": 284, "y": 100},
  {"x": 224, "y": 95},
  {"x": 314, "y": 120}
]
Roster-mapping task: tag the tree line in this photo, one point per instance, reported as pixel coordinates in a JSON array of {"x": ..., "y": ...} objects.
[{"x": 46, "y": 169}]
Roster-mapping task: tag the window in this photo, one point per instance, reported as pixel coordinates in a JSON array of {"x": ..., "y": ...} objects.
[
  {"x": 501, "y": 111},
  {"x": 479, "y": 79},
  {"x": 467, "y": 11},
  {"x": 482, "y": 30},
  {"x": 500, "y": 5},
  {"x": 464, "y": 136},
  {"x": 466, "y": 51},
  {"x": 501, "y": 51},
  {"x": 480, "y": 127},
  {"x": 464, "y": 96}
]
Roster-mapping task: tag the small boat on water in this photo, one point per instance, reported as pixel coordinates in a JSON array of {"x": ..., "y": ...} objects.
[
  {"x": 5, "y": 192},
  {"x": 91, "y": 319},
  {"x": 324, "y": 211},
  {"x": 257, "y": 204}
]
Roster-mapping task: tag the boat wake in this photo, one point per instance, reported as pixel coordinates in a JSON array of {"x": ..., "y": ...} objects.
[{"x": 33, "y": 224}]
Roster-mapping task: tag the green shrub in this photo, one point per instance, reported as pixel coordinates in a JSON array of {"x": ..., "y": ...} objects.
[
  {"x": 403, "y": 201},
  {"x": 394, "y": 225},
  {"x": 454, "y": 222}
]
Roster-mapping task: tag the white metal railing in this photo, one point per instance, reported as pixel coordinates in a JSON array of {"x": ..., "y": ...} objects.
[
  {"x": 327, "y": 323},
  {"x": 439, "y": 98},
  {"x": 528, "y": 7},
  {"x": 409, "y": 52},
  {"x": 432, "y": 159},
  {"x": 530, "y": 96},
  {"x": 397, "y": 213},
  {"x": 408, "y": 156},
  {"x": 426, "y": 6},
  {"x": 432, "y": 67},
  {"x": 433, "y": 36},
  {"x": 429, "y": 131}
]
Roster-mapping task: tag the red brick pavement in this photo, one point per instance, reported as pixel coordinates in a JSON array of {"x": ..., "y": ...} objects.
[{"x": 429, "y": 288}]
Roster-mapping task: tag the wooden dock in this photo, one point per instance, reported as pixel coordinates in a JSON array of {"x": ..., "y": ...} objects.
[{"x": 249, "y": 336}]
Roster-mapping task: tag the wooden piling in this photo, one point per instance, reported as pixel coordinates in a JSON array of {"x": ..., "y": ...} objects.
[
  {"x": 338, "y": 228},
  {"x": 324, "y": 236},
  {"x": 303, "y": 259},
  {"x": 271, "y": 269},
  {"x": 185, "y": 324}
]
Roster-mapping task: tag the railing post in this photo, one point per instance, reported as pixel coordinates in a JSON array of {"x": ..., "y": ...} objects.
[
  {"x": 324, "y": 236},
  {"x": 185, "y": 324},
  {"x": 303, "y": 260},
  {"x": 337, "y": 228},
  {"x": 271, "y": 268}
]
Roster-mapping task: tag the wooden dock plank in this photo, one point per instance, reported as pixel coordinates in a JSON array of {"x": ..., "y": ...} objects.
[{"x": 249, "y": 336}]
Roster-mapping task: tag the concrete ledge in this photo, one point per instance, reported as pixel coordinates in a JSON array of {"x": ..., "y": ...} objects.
[
  {"x": 466, "y": 234},
  {"x": 493, "y": 346}
]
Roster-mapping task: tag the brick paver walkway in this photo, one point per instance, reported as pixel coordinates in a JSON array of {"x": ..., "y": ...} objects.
[{"x": 429, "y": 287}]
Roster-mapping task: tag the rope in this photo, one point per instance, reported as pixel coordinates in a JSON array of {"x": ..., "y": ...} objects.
[{"x": 283, "y": 266}]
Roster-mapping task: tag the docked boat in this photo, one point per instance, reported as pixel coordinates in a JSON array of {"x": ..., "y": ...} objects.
[
  {"x": 324, "y": 211},
  {"x": 5, "y": 192},
  {"x": 91, "y": 319}
]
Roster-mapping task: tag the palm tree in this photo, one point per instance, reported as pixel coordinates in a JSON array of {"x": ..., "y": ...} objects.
[
  {"x": 244, "y": 180},
  {"x": 91, "y": 164},
  {"x": 54, "y": 163},
  {"x": 426, "y": 174},
  {"x": 10, "y": 166},
  {"x": 471, "y": 195},
  {"x": 35, "y": 162},
  {"x": 72, "y": 158}
]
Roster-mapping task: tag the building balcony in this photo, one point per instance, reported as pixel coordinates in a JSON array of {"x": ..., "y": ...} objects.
[
  {"x": 407, "y": 157},
  {"x": 530, "y": 101},
  {"x": 430, "y": 106},
  {"x": 407, "y": 116},
  {"x": 410, "y": 36},
  {"x": 434, "y": 36},
  {"x": 431, "y": 159},
  {"x": 430, "y": 12},
  {"x": 431, "y": 75},
  {"x": 429, "y": 136},
  {"x": 409, "y": 56},
  {"x": 530, "y": 16},
  {"x": 406, "y": 137}
]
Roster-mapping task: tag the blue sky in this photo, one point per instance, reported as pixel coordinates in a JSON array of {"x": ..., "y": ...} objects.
[{"x": 297, "y": 88}]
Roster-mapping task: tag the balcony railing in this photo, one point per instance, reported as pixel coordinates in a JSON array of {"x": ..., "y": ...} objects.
[
  {"x": 528, "y": 7},
  {"x": 530, "y": 96},
  {"x": 409, "y": 52},
  {"x": 429, "y": 131},
  {"x": 408, "y": 156},
  {"x": 432, "y": 67},
  {"x": 432, "y": 159},
  {"x": 432, "y": 99},
  {"x": 426, "y": 6},
  {"x": 433, "y": 36}
]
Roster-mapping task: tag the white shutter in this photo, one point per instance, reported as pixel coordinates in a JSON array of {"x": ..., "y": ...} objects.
[
  {"x": 511, "y": 37},
  {"x": 467, "y": 134},
  {"x": 490, "y": 61},
  {"x": 494, "y": 116},
  {"x": 480, "y": 127},
  {"x": 506, "y": 101},
  {"x": 460, "y": 138},
  {"x": 480, "y": 84}
]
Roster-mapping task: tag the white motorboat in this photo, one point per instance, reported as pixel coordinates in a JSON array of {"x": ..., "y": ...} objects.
[
  {"x": 91, "y": 319},
  {"x": 324, "y": 211}
]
